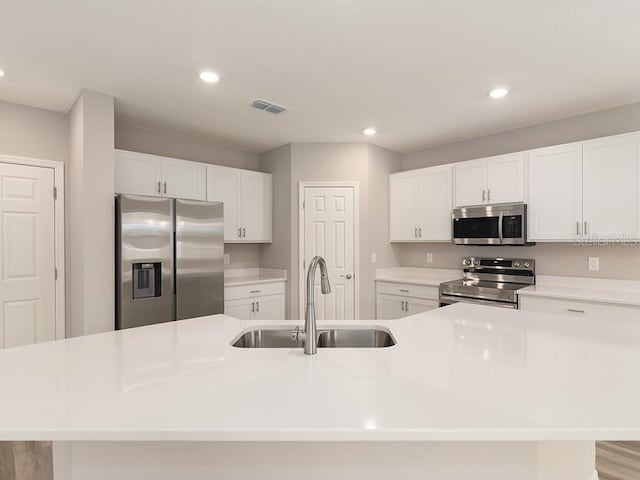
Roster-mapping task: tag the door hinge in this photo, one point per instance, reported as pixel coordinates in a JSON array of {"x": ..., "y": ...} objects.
[
  {"x": 303, "y": 204},
  {"x": 55, "y": 193},
  {"x": 55, "y": 273}
]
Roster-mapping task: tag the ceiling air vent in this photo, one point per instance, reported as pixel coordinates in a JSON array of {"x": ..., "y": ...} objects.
[{"x": 268, "y": 106}]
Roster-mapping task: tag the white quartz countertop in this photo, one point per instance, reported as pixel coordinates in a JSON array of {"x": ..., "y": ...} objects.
[
  {"x": 250, "y": 276},
  {"x": 463, "y": 372},
  {"x": 623, "y": 292},
  {"x": 431, "y": 277}
]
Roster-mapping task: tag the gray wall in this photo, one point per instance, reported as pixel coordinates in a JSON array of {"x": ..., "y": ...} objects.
[
  {"x": 32, "y": 132},
  {"x": 147, "y": 139},
  {"x": 362, "y": 163},
  {"x": 616, "y": 261}
]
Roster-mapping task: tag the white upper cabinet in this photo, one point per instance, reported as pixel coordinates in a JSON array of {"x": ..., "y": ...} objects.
[
  {"x": 247, "y": 197},
  {"x": 255, "y": 206},
  {"x": 142, "y": 174},
  {"x": 505, "y": 178},
  {"x": 498, "y": 179},
  {"x": 138, "y": 173},
  {"x": 471, "y": 183},
  {"x": 555, "y": 193},
  {"x": 611, "y": 180},
  {"x": 404, "y": 198},
  {"x": 183, "y": 179},
  {"x": 223, "y": 185},
  {"x": 436, "y": 185},
  {"x": 420, "y": 205}
]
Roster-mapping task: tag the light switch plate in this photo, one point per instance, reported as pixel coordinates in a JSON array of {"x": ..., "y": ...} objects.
[
  {"x": 594, "y": 263},
  {"x": 227, "y": 258},
  {"x": 429, "y": 257},
  {"x": 374, "y": 257}
]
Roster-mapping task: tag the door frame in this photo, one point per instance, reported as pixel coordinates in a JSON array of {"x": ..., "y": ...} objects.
[
  {"x": 59, "y": 234},
  {"x": 356, "y": 240}
]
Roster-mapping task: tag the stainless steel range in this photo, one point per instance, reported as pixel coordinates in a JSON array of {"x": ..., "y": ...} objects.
[{"x": 489, "y": 281}]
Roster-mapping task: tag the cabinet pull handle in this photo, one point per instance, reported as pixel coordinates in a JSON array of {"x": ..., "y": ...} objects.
[
  {"x": 488, "y": 195},
  {"x": 420, "y": 232},
  {"x": 574, "y": 310},
  {"x": 257, "y": 306},
  {"x": 253, "y": 307},
  {"x": 159, "y": 187},
  {"x": 244, "y": 232},
  {"x": 255, "y": 291},
  {"x": 403, "y": 290},
  {"x": 406, "y": 307},
  {"x": 483, "y": 195},
  {"x": 240, "y": 232},
  {"x": 577, "y": 228},
  {"x": 402, "y": 306},
  {"x": 165, "y": 187},
  {"x": 585, "y": 227}
]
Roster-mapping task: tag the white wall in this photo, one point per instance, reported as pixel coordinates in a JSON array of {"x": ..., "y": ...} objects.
[
  {"x": 616, "y": 261},
  {"x": 32, "y": 132},
  {"x": 90, "y": 223}
]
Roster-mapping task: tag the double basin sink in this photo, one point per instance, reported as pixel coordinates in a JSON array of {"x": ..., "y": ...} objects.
[{"x": 281, "y": 337}]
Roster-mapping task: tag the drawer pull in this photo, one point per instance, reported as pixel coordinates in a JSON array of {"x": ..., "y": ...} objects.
[
  {"x": 574, "y": 310},
  {"x": 403, "y": 290},
  {"x": 255, "y": 291}
]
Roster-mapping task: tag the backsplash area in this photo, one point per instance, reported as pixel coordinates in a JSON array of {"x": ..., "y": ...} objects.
[
  {"x": 616, "y": 261},
  {"x": 242, "y": 255}
]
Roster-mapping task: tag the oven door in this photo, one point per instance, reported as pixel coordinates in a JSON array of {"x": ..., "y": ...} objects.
[
  {"x": 503, "y": 224},
  {"x": 451, "y": 299}
]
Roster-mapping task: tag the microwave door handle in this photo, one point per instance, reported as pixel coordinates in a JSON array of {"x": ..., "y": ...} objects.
[{"x": 500, "y": 235}]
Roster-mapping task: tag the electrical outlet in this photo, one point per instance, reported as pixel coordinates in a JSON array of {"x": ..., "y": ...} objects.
[
  {"x": 594, "y": 263},
  {"x": 429, "y": 257},
  {"x": 374, "y": 257},
  {"x": 227, "y": 258}
]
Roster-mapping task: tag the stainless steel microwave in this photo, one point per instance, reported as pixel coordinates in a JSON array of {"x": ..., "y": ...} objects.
[{"x": 500, "y": 224}]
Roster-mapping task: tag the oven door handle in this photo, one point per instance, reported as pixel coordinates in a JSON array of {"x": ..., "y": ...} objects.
[{"x": 500, "y": 221}]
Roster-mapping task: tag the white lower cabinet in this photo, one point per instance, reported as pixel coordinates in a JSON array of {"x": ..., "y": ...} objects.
[
  {"x": 264, "y": 301},
  {"x": 397, "y": 300},
  {"x": 579, "y": 309}
]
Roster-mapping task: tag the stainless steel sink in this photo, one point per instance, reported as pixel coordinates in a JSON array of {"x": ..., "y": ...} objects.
[{"x": 279, "y": 337}]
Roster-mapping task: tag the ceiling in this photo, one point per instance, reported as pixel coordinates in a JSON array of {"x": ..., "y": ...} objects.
[{"x": 418, "y": 70}]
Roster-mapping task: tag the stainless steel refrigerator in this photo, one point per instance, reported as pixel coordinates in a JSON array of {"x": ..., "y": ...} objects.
[{"x": 169, "y": 259}]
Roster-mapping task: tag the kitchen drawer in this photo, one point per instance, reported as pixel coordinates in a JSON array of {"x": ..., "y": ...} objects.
[
  {"x": 577, "y": 308},
  {"x": 406, "y": 290},
  {"x": 255, "y": 290}
]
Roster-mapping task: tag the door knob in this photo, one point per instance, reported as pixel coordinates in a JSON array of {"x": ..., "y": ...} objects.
[{"x": 348, "y": 276}]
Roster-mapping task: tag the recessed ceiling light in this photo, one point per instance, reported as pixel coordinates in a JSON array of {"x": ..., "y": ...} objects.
[
  {"x": 209, "y": 76},
  {"x": 1, "y": 73},
  {"x": 498, "y": 92},
  {"x": 369, "y": 131}
]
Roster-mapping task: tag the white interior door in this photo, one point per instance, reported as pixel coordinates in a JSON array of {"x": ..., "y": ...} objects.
[
  {"x": 329, "y": 231},
  {"x": 27, "y": 255}
]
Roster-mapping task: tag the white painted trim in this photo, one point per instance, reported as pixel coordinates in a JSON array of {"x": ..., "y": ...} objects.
[
  {"x": 356, "y": 241},
  {"x": 58, "y": 214}
]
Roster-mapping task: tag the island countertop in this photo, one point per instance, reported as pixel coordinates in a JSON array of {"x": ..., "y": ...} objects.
[{"x": 463, "y": 372}]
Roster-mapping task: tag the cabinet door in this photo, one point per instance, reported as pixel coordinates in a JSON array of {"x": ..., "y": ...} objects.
[
  {"x": 138, "y": 173},
  {"x": 610, "y": 187},
  {"x": 435, "y": 204},
  {"x": 470, "y": 183},
  {"x": 269, "y": 308},
  {"x": 418, "y": 305},
  {"x": 183, "y": 179},
  {"x": 390, "y": 307},
  {"x": 404, "y": 198},
  {"x": 223, "y": 185},
  {"x": 255, "y": 210},
  {"x": 555, "y": 193},
  {"x": 242, "y": 309},
  {"x": 505, "y": 178}
]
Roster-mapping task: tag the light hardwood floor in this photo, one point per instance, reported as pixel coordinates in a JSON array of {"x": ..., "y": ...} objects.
[
  {"x": 618, "y": 460},
  {"x": 26, "y": 461}
]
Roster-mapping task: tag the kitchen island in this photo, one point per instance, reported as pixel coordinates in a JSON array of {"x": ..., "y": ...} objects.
[{"x": 468, "y": 392}]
